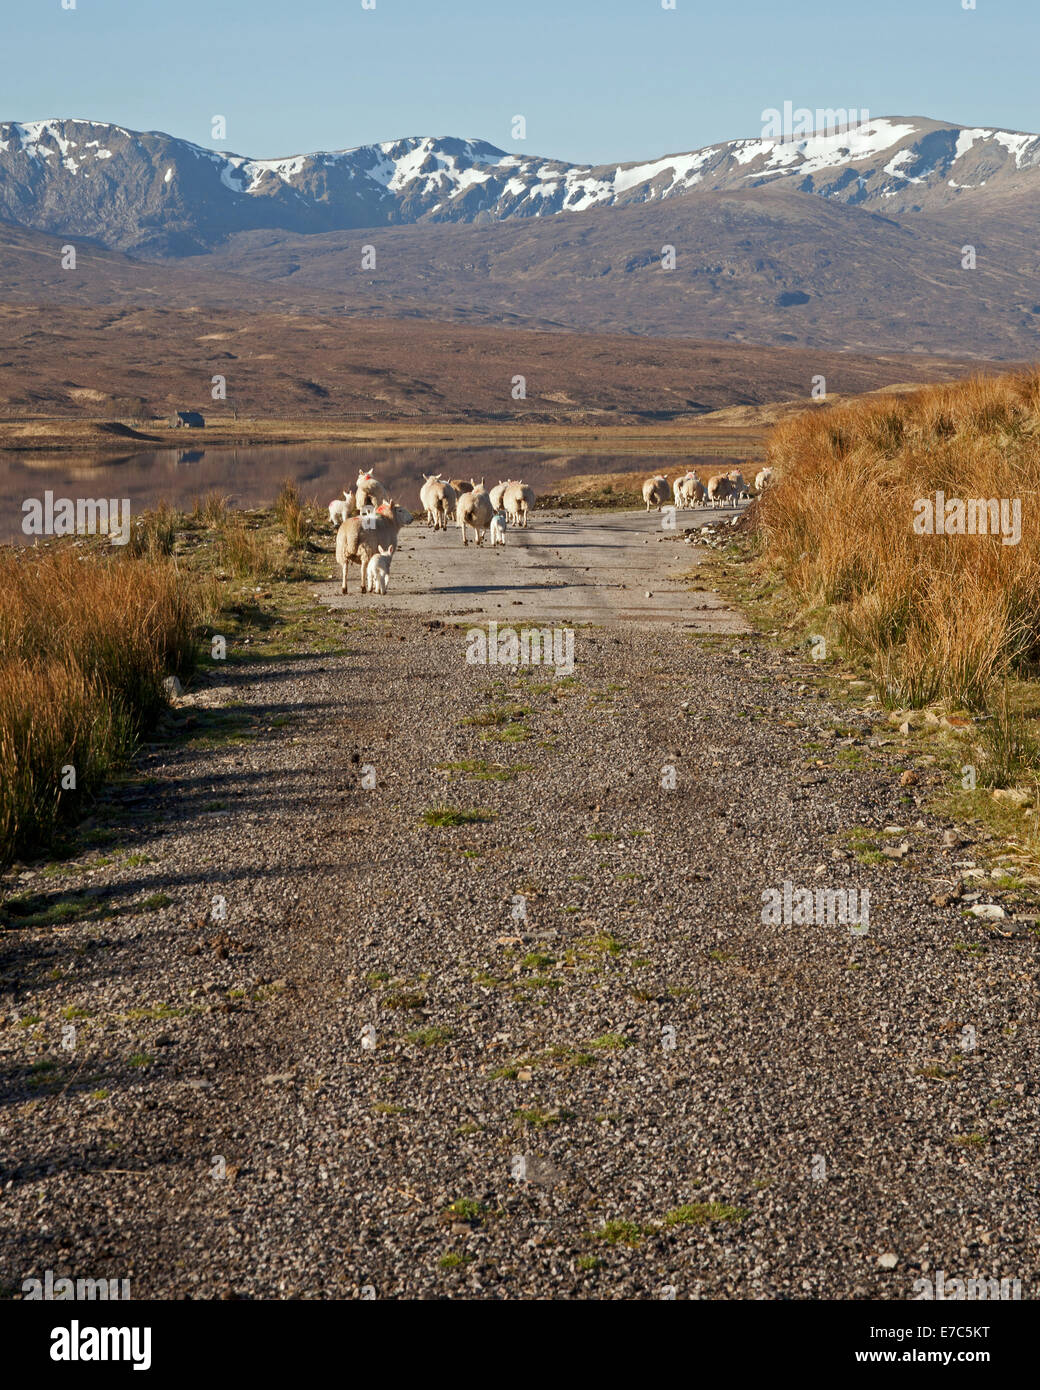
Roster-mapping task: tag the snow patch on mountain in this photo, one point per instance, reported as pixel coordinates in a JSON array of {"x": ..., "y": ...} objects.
[{"x": 417, "y": 178}]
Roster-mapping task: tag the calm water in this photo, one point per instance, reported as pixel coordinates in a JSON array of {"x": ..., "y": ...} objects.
[{"x": 252, "y": 476}]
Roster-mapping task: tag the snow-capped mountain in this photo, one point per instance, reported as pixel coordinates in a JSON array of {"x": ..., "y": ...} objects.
[{"x": 152, "y": 194}]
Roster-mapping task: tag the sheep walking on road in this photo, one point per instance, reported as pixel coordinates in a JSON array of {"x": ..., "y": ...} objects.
[
  {"x": 360, "y": 537},
  {"x": 739, "y": 486},
  {"x": 688, "y": 490},
  {"x": 763, "y": 479},
  {"x": 498, "y": 492},
  {"x": 498, "y": 528},
  {"x": 720, "y": 490},
  {"x": 518, "y": 500},
  {"x": 475, "y": 510},
  {"x": 438, "y": 497},
  {"x": 655, "y": 491}
]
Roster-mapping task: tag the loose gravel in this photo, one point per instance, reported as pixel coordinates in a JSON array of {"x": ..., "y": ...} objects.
[{"x": 544, "y": 1046}]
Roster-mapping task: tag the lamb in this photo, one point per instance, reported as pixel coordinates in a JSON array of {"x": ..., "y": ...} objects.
[
  {"x": 438, "y": 497},
  {"x": 763, "y": 479},
  {"x": 341, "y": 508},
  {"x": 369, "y": 492},
  {"x": 359, "y": 537},
  {"x": 498, "y": 528},
  {"x": 378, "y": 570},
  {"x": 475, "y": 510},
  {"x": 518, "y": 500},
  {"x": 720, "y": 488},
  {"x": 655, "y": 491}
]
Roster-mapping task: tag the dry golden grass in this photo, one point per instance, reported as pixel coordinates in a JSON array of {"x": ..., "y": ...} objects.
[
  {"x": 937, "y": 616},
  {"x": 290, "y": 511},
  {"x": 212, "y": 510},
  {"x": 86, "y": 640},
  {"x": 245, "y": 551}
]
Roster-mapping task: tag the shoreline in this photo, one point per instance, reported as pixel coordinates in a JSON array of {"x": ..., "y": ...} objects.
[
  {"x": 278, "y": 434},
  {"x": 733, "y": 431}
]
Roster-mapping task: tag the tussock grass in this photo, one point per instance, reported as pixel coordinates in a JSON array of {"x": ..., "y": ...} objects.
[
  {"x": 211, "y": 510},
  {"x": 936, "y": 617},
  {"x": 153, "y": 536},
  {"x": 248, "y": 553},
  {"x": 1008, "y": 747},
  {"x": 290, "y": 511},
  {"x": 86, "y": 641}
]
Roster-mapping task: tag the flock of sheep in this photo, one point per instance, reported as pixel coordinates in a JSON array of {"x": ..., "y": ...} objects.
[
  {"x": 369, "y": 520},
  {"x": 689, "y": 491}
]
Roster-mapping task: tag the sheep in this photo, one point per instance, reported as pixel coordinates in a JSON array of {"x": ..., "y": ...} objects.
[
  {"x": 341, "y": 508},
  {"x": 460, "y": 485},
  {"x": 359, "y": 537},
  {"x": 719, "y": 489},
  {"x": 688, "y": 490},
  {"x": 763, "y": 479},
  {"x": 438, "y": 497},
  {"x": 498, "y": 528},
  {"x": 475, "y": 510},
  {"x": 739, "y": 486},
  {"x": 378, "y": 570},
  {"x": 449, "y": 503},
  {"x": 498, "y": 492},
  {"x": 369, "y": 493},
  {"x": 518, "y": 500},
  {"x": 655, "y": 491}
]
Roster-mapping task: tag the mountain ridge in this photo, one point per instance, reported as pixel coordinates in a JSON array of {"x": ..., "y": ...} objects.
[{"x": 156, "y": 195}]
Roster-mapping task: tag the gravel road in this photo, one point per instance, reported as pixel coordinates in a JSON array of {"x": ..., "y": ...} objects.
[
  {"x": 567, "y": 567},
  {"x": 551, "y": 1052}
]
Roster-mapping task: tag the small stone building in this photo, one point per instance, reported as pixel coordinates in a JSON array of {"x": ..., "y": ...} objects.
[{"x": 188, "y": 419}]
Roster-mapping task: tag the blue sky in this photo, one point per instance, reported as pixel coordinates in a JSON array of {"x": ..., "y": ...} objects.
[{"x": 597, "y": 80}]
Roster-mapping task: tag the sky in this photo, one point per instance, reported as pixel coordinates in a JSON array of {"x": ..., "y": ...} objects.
[{"x": 595, "y": 80}]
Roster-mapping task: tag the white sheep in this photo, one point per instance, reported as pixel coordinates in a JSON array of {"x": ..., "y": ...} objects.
[
  {"x": 498, "y": 492},
  {"x": 740, "y": 487},
  {"x": 438, "y": 497},
  {"x": 655, "y": 491},
  {"x": 360, "y": 537},
  {"x": 378, "y": 570},
  {"x": 688, "y": 490},
  {"x": 475, "y": 510},
  {"x": 763, "y": 479},
  {"x": 498, "y": 528},
  {"x": 518, "y": 500},
  {"x": 369, "y": 492},
  {"x": 720, "y": 488}
]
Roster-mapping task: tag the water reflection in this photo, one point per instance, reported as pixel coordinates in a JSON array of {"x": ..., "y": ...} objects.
[{"x": 251, "y": 476}]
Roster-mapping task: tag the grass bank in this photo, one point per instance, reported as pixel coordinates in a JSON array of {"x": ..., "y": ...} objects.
[
  {"x": 935, "y": 616},
  {"x": 90, "y": 632},
  {"x": 86, "y": 642}
]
